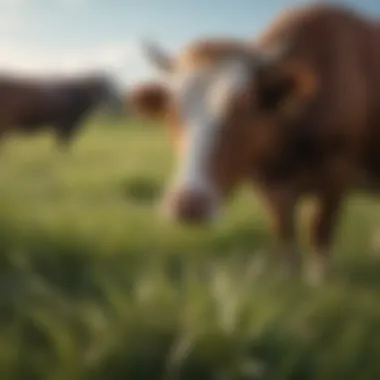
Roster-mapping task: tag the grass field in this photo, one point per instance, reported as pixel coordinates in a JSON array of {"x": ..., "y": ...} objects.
[{"x": 94, "y": 284}]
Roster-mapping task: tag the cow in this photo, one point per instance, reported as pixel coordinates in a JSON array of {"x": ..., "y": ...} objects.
[
  {"x": 29, "y": 104},
  {"x": 295, "y": 111}
]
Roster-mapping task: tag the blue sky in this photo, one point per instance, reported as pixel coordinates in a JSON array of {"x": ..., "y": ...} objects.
[{"x": 46, "y": 34}]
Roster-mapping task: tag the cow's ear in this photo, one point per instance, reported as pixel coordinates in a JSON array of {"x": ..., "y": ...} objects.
[
  {"x": 285, "y": 90},
  {"x": 149, "y": 100}
]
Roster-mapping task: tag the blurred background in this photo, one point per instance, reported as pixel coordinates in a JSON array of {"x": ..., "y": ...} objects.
[{"x": 94, "y": 284}]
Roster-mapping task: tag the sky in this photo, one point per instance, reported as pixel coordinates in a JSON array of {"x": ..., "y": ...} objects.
[{"x": 49, "y": 36}]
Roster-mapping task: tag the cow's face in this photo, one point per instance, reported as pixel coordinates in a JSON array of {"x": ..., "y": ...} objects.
[
  {"x": 101, "y": 89},
  {"x": 220, "y": 105}
]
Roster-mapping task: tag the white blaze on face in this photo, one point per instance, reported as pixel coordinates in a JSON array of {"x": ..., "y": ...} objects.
[{"x": 202, "y": 98}]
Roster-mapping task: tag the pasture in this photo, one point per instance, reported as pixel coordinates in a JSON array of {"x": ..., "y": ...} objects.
[{"x": 95, "y": 284}]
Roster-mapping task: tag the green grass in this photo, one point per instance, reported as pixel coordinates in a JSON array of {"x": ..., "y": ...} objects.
[{"x": 94, "y": 284}]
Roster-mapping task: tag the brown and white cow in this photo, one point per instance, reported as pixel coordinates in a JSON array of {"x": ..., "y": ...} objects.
[{"x": 297, "y": 111}]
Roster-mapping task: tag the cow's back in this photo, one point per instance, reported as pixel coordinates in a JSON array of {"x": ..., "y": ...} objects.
[{"x": 343, "y": 50}]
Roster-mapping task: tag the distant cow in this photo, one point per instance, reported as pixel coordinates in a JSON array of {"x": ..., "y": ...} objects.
[
  {"x": 28, "y": 105},
  {"x": 297, "y": 111}
]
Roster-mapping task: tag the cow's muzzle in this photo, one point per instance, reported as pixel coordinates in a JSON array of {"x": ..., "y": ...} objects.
[{"x": 190, "y": 206}]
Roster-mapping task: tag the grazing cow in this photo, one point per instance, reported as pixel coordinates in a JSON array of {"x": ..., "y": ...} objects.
[
  {"x": 297, "y": 112},
  {"x": 28, "y": 105}
]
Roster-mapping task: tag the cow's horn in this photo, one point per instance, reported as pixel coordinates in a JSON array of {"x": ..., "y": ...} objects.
[
  {"x": 157, "y": 55},
  {"x": 273, "y": 54}
]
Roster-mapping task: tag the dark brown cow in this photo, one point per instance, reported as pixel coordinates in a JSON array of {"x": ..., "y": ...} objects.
[
  {"x": 298, "y": 112},
  {"x": 28, "y": 105}
]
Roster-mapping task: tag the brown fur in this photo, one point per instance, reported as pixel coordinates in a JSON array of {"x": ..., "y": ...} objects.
[{"x": 313, "y": 116}]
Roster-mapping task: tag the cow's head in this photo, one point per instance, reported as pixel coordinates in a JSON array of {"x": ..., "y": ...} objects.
[
  {"x": 100, "y": 88},
  {"x": 225, "y": 104}
]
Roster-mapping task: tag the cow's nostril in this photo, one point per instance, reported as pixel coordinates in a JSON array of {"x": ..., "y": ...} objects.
[{"x": 191, "y": 206}]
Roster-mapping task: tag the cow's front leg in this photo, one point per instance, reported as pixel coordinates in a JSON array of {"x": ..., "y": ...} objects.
[
  {"x": 324, "y": 222},
  {"x": 65, "y": 135},
  {"x": 282, "y": 206}
]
